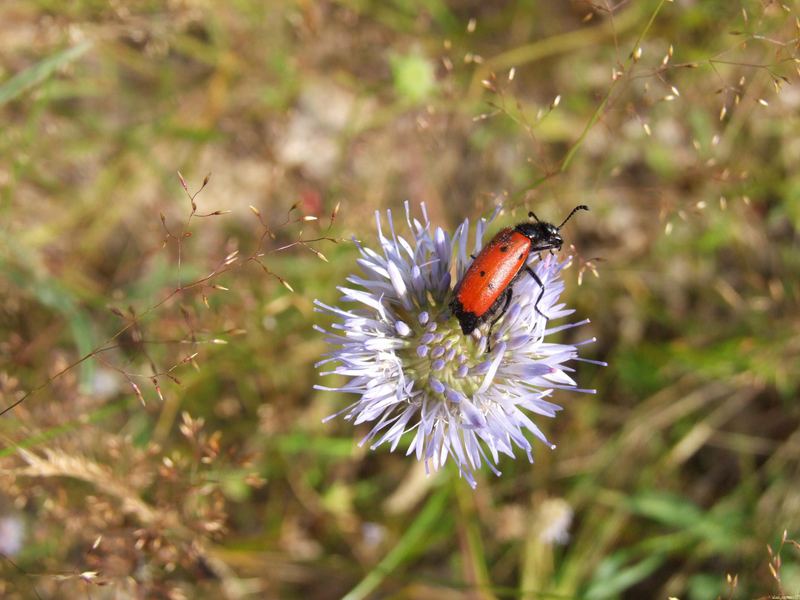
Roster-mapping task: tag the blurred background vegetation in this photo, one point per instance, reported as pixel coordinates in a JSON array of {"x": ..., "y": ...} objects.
[{"x": 186, "y": 458}]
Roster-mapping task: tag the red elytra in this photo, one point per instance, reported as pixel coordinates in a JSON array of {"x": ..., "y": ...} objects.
[{"x": 487, "y": 285}]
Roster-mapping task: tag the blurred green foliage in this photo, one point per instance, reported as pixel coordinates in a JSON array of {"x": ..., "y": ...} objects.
[{"x": 679, "y": 472}]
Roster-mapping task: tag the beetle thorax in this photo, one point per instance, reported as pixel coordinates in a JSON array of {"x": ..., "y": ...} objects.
[{"x": 541, "y": 235}]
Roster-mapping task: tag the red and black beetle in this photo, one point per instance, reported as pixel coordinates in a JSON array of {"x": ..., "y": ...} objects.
[{"x": 486, "y": 287}]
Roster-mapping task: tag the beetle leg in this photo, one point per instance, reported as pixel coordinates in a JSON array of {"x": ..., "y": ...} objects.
[
  {"x": 533, "y": 274},
  {"x": 497, "y": 318}
]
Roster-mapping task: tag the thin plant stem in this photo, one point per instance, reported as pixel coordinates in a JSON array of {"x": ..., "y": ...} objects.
[
  {"x": 474, "y": 556},
  {"x": 601, "y": 107}
]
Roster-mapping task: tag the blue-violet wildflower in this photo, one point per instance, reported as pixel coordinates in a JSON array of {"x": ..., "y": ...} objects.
[{"x": 414, "y": 371}]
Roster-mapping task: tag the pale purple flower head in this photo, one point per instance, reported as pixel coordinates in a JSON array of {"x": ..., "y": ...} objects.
[{"x": 412, "y": 369}]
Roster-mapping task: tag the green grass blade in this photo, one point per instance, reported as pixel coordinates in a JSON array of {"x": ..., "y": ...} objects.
[
  {"x": 32, "y": 76},
  {"x": 51, "y": 293},
  {"x": 613, "y": 578},
  {"x": 406, "y": 547}
]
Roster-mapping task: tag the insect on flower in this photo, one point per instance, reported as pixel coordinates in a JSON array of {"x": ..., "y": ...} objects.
[
  {"x": 414, "y": 372},
  {"x": 487, "y": 286}
]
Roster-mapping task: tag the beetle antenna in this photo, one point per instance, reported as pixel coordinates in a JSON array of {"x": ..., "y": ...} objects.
[
  {"x": 530, "y": 214},
  {"x": 574, "y": 210}
]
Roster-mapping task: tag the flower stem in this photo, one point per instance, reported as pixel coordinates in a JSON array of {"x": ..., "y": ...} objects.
[
  {"x": 537, "y": 567},
  {"x": 477, "y": 573}
]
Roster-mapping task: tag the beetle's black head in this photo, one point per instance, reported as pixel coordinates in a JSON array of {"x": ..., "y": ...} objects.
[{"x": 543, "y": 236}]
